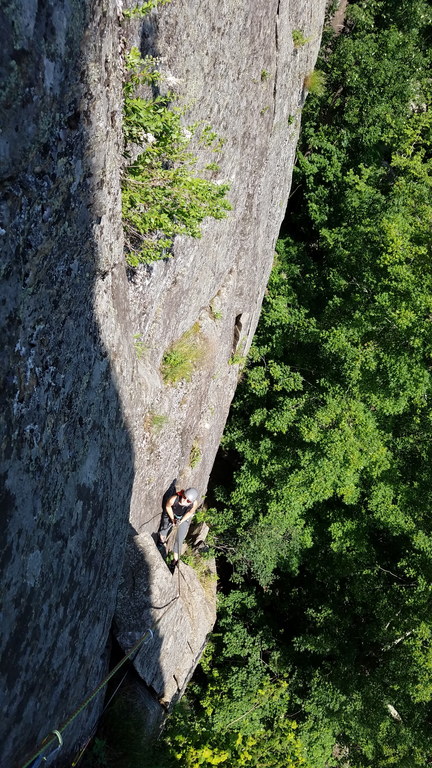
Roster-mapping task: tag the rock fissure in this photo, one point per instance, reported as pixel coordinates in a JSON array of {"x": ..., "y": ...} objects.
[{"x": 276, "y": 56}]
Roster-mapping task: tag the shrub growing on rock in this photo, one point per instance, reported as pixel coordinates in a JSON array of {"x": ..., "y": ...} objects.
[{"x": 161, "y": 194}]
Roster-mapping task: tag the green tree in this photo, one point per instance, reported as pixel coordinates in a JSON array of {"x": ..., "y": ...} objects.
[
  {"x": 328, "y": 523},
  {"x": 162, "y": 195},
  {"x": 322, "y": 655}
]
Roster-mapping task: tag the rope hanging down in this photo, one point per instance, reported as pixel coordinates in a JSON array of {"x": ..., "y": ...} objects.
[
  {"x": 38, "y": 757},
  {"x": 168, "y": 605},
  {"x": 96, "y": 725}
]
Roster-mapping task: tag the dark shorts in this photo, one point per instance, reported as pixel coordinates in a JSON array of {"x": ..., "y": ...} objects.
[
  {"x": 165, "y": 525},
  {"x": 182, "y": 529}
]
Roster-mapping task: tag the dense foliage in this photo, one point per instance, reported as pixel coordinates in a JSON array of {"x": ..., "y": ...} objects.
[{"x": 323, "y": 653}]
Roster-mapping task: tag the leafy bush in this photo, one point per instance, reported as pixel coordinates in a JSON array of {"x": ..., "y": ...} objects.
[
  {"x": 122, "y": 741},
  {"x": 238, "y": 357},
  {"x": 138, "y": 11},
  {"x": 299, "y": 39},
  {"x": 161, "y": 195},
  {"x": 207, "y": 578}
]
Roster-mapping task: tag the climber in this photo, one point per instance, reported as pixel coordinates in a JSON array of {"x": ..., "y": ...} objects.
[{"x": 178, "y": 511}]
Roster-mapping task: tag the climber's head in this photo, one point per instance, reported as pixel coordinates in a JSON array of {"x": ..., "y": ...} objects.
[{"x": 188, "y": 496}]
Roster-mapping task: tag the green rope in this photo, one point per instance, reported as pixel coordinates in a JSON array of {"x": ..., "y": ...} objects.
[{"x": 87, "y": 701}]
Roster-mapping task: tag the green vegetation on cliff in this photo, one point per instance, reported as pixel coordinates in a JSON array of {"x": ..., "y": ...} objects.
[
  {"x": 323, "y": 653},
  {"x": 162, "y": 194},
  {"x": 322, "y": 656}
]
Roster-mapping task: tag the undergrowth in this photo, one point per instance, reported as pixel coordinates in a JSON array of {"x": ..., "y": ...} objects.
[
  {"x": 299, "y": 38},
  {"x": 207, "y": 578},
  {"x": 122, "y": 741},
  {"x": 315, "y": 82}
]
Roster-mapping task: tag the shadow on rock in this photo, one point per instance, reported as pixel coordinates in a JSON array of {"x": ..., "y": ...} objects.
[{"x": 66, "y": 455}]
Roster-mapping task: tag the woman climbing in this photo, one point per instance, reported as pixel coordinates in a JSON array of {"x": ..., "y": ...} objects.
[{"x": 178, "y": 511}]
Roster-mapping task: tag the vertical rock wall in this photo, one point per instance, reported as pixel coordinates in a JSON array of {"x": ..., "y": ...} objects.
[
  {"x": 66, "y": 452},
  {"x": 80, "y": 450},
  {"x": 235, "y": 66}
]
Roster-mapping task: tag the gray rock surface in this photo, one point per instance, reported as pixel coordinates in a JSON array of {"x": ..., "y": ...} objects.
[
  {"x": 80, "y": 452},
  {"x": 198, "y": 534},
  {"x": 66, "y": 460},
  {"x": 178, "y": 610},
  {"x": 236, "y": 66}
]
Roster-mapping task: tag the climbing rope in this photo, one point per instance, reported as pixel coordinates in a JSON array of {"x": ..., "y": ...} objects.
[
  {"x": 153, "y": 607},
  {"x": 38, "y": 757},
  {"x": 158, "y": 514},
  {"x": 95, "y": 727},
  {"x": 44, "y": 758},
  {"x": 178, "y": 577}
]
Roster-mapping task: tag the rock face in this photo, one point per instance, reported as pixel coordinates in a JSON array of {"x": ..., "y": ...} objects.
[
  {"x": 67, "y": 453},
  {"x": 178, "y": 609},
  {"x": 236, "y": 66},
  {"x": 91, "y": 437}
]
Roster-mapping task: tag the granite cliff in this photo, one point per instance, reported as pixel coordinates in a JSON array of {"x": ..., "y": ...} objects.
[{"x": 83, "y": 466}]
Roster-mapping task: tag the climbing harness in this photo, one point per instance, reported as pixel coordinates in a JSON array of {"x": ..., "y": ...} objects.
[{"x": 181, "y": 495}]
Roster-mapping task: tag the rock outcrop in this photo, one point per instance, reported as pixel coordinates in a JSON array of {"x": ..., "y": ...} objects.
[
  {"x": 67, "y": 455},
  {"x": 237, "y": 67},
  {"x": 178, "y": 608},
  {"x": 81, "y": 448}
]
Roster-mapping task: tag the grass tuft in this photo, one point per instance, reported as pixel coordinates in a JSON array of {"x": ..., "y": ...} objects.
[
  {"x": 299, "y": 39},
  {"x": 182, "y": 357},
  {"x": 195, "y": 455},
  {"x": 315, "y": 82}
]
